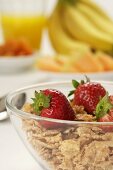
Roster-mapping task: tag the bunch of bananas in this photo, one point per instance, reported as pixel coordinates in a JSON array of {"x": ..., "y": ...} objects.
[{"x": 80, "y": 25}]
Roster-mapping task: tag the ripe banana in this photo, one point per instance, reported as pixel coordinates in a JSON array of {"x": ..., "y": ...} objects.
[
  {"x": 95, "y": 18},
  {"x": 61, "y": 41},
  {"x": 82, "y": 29},
  {"x": 95, "y": 7}
]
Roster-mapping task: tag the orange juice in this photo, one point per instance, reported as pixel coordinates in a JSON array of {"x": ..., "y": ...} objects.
[{"x": 27, "y": 27}]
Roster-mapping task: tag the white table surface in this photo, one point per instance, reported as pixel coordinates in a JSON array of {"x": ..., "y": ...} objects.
[{"x": 13, "y": 154}]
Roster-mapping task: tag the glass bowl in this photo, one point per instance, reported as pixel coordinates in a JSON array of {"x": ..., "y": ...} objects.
[{"x": 68, "y": 145}]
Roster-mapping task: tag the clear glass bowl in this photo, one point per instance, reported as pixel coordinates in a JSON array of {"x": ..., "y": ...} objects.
[{"x": 67, "y": 146}]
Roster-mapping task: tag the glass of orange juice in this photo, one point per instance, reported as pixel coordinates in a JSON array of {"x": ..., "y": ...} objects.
[{"x": 23, "y": 19}]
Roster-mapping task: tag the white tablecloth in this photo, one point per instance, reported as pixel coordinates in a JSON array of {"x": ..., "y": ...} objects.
[{"x": 13, "y": 154}]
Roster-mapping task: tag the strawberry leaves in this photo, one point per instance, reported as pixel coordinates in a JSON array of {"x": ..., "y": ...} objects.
[
  {"x": 75, "y": 84},
  {"x": 103, "y": 107},
  {"x": 40, "y": 102},
  {"x": 71, "y": 93}
]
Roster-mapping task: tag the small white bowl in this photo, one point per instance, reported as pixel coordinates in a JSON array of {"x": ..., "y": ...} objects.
[{"x": 16, "y": 64}]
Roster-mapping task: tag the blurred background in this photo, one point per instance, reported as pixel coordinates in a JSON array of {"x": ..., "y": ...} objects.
[{"x": 47, "y": 40}]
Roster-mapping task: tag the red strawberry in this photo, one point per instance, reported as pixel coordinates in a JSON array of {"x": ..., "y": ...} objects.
[
  {"x": 88, "y": 95},
  {"x": 104, "y": 112},
  {"x": 52, "y": 104}
]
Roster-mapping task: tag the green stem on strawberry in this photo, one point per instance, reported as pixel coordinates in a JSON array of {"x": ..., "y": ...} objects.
[
  {"x": 87, "y": 79},
  {"x": 40, "y": 102},
  {"x": 103, "y": 107},
  {"x": 75, "y": 84},
  {"x": 71, "y": 93}
]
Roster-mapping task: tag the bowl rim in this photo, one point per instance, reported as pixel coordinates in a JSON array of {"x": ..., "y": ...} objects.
[
  {"x": 23, "y": 114},
  {"x": 20, "y": 57}
]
